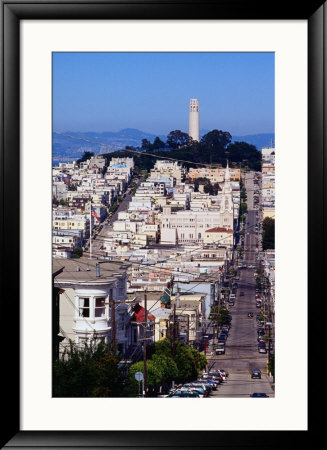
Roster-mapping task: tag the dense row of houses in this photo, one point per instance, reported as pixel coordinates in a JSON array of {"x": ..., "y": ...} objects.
[
  {"x": 166, "y": 252},
  {"x": 268, "y": 182}
]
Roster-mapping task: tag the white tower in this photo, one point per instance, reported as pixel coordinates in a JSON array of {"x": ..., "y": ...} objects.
[{"x": 194, "y": 119}]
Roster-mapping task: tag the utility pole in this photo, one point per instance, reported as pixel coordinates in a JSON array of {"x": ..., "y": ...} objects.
[
  {"x": 144, "y": 345},
  {"x": 205, "y": 339},
  {"x": 113, "y": 321},
  {"x": 91, "y": 229},
  {"x": 188, "y": 329},
  {"x": 218, "y": 312},
  {"x": 269, "y": 319},
  {"x": 174, "y": 331}
]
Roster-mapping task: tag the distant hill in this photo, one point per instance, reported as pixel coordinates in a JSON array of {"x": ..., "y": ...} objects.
[
  {"x": 65, "y": 148},
  {"x": 259, "y": 140}
]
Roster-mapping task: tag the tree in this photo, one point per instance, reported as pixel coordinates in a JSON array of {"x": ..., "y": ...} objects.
[
  {"x": 243, "y": 194},
  {"x": 243, "y": 208},
  {"x": 78, "y": 252},
  {"x": 199, "y": 359},
  {"x": 157, "y": 144},
  {"x": 247, "y": 154},
  {"x": 268, "y": 235},
  {"x": 177, "y": 138},
  {"x": 186, "y": 364},
  {"x": 86, "y": 155},
  {"x": 154, "y": 377},
  {"x": 271, "y": 364},
  {"x": 168, "y": 365},
  {"x": 91, "y": 371},
  {"x": 217, "y": 139},
  {"x": 205, "y": 182},
  {"x": 223, "y": 316},
  {"x": 188, "y": 360},
  {"x": 146, "y": 144}
]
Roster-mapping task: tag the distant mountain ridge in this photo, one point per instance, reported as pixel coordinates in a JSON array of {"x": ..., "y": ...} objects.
[
  {"x": 65, "y": 148},
  {"x": 263, "y": 140},
  {"x": 260, "y": 140}
]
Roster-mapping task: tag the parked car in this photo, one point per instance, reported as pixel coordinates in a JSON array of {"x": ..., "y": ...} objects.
[
  {"x": 256, "y": 373},
  {"x": 223, "y": 372},
  {"x": 262, "y": 347},
  {"x": 206, "y": 387},
  {"x": 200, "y": 391},
  {"x": 222, "y": 338},
  {"x": 184, "y": 394},
  {"x": 221, "y": 376},
  {"x": 259, "y": 394},
  {"x": 210, "y": 381}
]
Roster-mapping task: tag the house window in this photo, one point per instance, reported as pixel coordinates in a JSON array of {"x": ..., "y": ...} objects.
[
  {"x": 84, "y": 307},
  {"x": 100, "y": 309}
]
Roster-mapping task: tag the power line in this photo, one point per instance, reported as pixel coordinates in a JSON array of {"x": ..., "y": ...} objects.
[{"x": 134, "y": 151}]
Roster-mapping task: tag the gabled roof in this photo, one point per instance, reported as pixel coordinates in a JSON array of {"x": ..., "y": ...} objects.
[{"x": 139, "y": 314}]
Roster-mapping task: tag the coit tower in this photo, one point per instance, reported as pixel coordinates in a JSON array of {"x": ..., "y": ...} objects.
[{"x": 194, "y": 119}]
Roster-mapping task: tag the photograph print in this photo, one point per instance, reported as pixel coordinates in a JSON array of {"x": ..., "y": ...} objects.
[{"x": 163, "y": 224}]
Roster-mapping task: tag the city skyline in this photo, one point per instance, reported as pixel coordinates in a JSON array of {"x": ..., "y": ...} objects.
[{"x": 151, "y": 91}]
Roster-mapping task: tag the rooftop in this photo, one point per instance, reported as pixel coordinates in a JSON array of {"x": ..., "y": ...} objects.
[
  {"x": 219, "y": 230},
  {"x": 83, "y": 270}
]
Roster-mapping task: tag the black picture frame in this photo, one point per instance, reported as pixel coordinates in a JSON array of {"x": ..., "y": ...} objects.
[{"x": 12, "y": 12}]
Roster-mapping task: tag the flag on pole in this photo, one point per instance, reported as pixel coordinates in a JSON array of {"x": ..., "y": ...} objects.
[{"x": 94, "y": 214}]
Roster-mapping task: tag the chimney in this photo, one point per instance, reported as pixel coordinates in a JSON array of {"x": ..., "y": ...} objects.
[{"x": 97, "y": 269}]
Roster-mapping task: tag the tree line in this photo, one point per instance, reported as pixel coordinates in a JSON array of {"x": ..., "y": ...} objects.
[
  {"x": 97, "y": 371},
  {"x": 214, "y": 148}
]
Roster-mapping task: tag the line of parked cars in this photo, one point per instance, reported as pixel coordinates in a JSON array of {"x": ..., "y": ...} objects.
[
  {"x": 261, "y": 342},
  {"x": 200, "y": 388},
  {"x": 222, "y": 338}
]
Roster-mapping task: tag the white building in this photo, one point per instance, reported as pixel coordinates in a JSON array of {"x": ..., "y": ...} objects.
[
  {"x": 89, "y": 292},
  {"x": 188, "y": 227},
  {"x": 268, "y": 155}
]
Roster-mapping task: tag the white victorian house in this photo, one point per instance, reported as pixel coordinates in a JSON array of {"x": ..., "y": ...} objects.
[{"x": 92, "y": 295}]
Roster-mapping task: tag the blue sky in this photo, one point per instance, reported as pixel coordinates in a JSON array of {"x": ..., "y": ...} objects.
[{"x": 151, "y": 91}]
